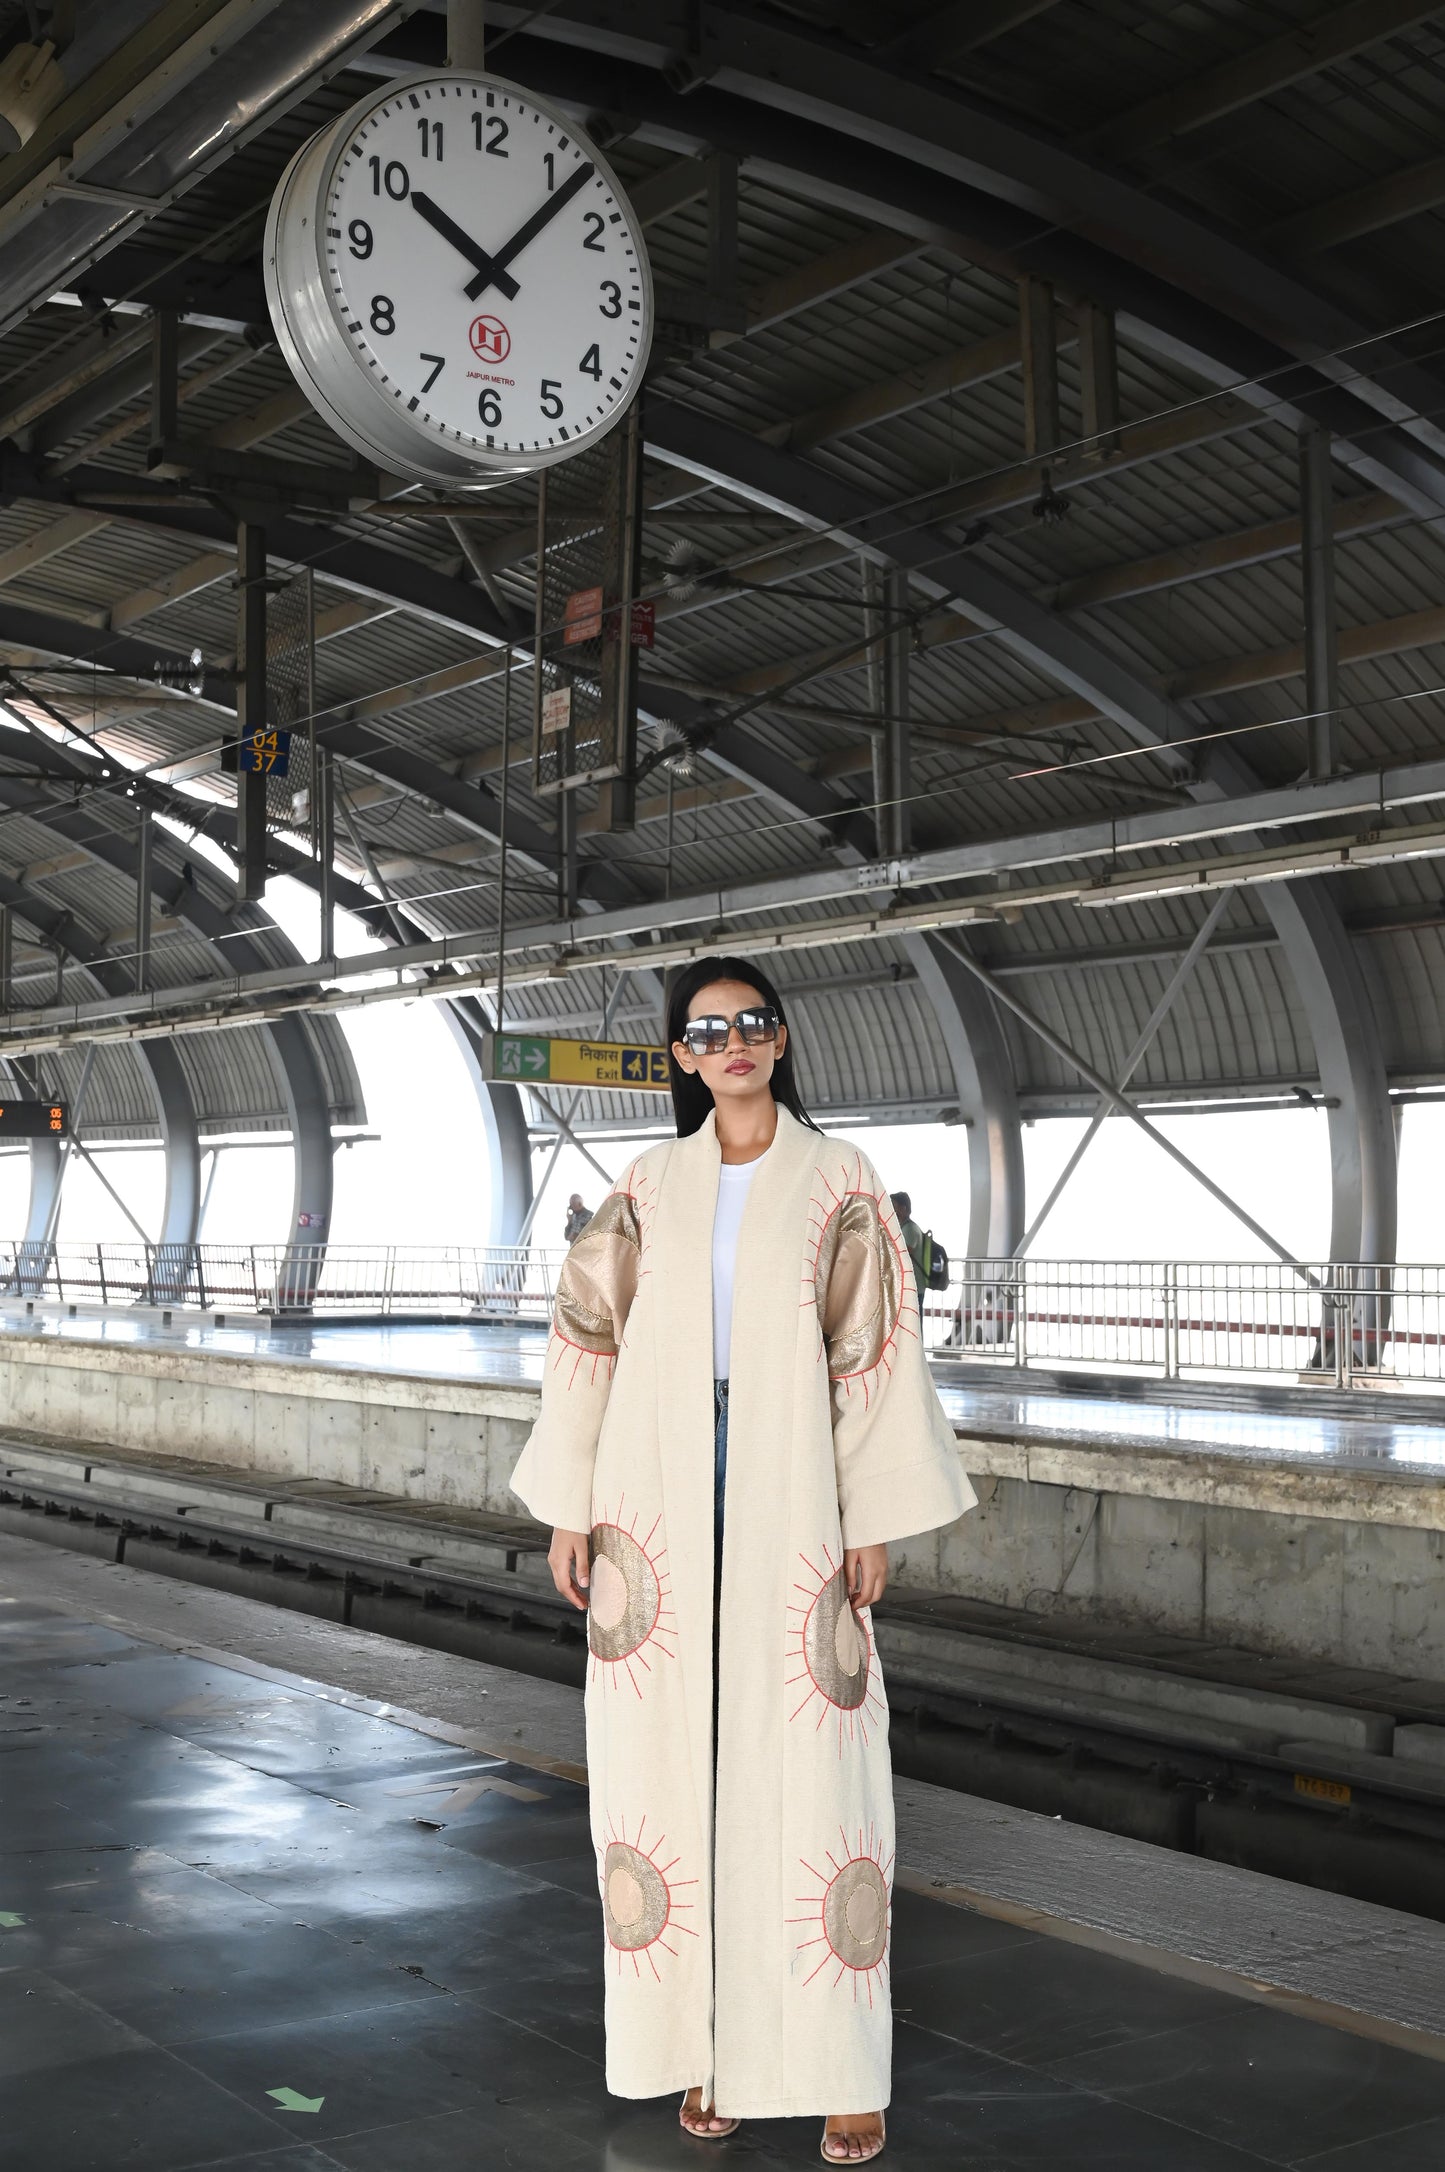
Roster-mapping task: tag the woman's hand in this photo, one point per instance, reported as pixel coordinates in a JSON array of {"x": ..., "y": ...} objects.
[
  {"x": 865, "y": 1572},
  {"x": 567, "y": 1559}
]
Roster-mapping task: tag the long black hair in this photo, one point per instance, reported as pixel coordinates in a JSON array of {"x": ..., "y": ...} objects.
[{"x": 691, "y": 1099}]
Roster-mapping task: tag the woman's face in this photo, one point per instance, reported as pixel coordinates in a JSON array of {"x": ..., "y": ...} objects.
[{"x": 739, "y": 1071}]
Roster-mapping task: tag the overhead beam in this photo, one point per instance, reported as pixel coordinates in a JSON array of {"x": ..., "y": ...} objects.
[
  {"x": 942, "y": 569},
  {"x": 1217, "y": 554},
  {"x": 946, "y": 33},
  {"x": 975, "y": 364},
  {"x": 1360, "y": 211},
  {"x": 805, "y": 111},
  {"x": 1210, "y": 93}
]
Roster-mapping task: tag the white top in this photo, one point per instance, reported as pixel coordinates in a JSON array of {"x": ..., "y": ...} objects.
[{"x": 734, "y": 1179}]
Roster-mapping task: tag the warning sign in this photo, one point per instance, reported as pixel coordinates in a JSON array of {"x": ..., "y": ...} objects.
[
  {"x": 582, "y": 617},
  {"x": 557, "y": 709},
  {"x": 538, "y": 1059}
]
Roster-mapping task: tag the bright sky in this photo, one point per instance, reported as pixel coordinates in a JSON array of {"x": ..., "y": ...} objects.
[{"x": 423, "y": 1180}]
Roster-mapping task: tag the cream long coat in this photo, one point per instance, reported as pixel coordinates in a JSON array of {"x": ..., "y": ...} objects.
[{"x": 835, "y": 1438}]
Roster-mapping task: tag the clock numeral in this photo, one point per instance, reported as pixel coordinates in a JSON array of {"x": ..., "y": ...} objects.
[
  {"x": 431, "y": 139},
  {"x": 497, "y": 133},
  {"x": 596, "y": 227},
  {"x": 549, "y": 160},
  {"x": 383, "y": 315},
  {"x": 359, "y": 235},
  {"x": 395, "y": 179},
  {"x": 613, "y": 291},
  {"x": 591, "y": 365},
  {"x": 489, "y": 407},
  {"x": 551, "y": 398},
  {"x": 438, "y": 362}
]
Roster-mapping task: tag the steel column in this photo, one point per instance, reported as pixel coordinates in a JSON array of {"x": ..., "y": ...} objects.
[
  {"x": 1321, "y": 629},
  {"x": 180, "y": 1139},
  {"x": 1039, "y": 346},
  {"x": 251, "y": 708},
  {"x": 987, "y": 1098},
  {"x": 1364, "y": 1191},
  {"x": 892, "y": 748},
  {"x": 1098, "y": 379},
  {"x": 144, "y": 878},
  {"x": 467, "y": 35},
  {"x": 312, "y": 1154},
  {"x": 507, "y": 1147}
]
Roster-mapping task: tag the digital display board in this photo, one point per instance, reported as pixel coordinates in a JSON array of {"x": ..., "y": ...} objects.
[{"x": 34, "y": 1119}]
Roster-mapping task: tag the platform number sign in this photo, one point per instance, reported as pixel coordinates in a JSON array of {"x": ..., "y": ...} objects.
[
  {"x": 261, "y": 753},
  {"x": 458, "y": 280}
]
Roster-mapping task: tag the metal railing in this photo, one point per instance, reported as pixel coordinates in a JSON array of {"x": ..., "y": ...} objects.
[
  {"x": 1338, "y": 1320},
  {"x": 1335, "y": 1320},
  {"x": 501, "y": 1282}
]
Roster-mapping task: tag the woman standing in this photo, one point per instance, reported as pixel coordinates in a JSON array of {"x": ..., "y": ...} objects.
[{"x": 737, "y": 1416}]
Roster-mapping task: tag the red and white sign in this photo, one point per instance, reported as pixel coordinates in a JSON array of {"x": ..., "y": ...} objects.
[
  {"x": 490, "y": 339},
  {"x": 582, "y": 617}
]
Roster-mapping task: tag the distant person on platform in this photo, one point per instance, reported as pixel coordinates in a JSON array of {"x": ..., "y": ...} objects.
[
  {"x": 578, "y": 1217},
  {"x": 912, "y": 1236}
]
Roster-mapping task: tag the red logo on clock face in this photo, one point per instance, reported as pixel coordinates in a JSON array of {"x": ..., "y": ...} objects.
[{"x": 491, "y": 339}]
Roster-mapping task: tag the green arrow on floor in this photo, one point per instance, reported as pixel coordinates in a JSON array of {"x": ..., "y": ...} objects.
[
  {"x": 290, "y": 2100},
  {"x": 9, "y": 1922}
]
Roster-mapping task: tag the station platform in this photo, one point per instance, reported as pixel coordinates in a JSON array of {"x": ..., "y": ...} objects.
[
  {"x": 1305, "y": 1523},
  {"x": 278, "y": 1893}
]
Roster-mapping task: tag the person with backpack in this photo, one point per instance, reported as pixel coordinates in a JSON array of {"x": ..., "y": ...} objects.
[
  {"x": 913, "y": 1237},
  {"x": 930, "y": 1261}
]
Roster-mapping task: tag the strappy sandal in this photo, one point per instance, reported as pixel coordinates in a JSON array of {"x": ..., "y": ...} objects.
[
  {"x": 705, "y": 2134},
  {"x": 873, "y": 2147}
]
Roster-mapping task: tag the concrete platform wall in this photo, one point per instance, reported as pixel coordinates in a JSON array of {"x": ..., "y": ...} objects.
[{"x": 1317, "y": 1562}]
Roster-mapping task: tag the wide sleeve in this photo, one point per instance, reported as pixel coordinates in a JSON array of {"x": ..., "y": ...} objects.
[
  {"x": 595, "y": 1290},
  {"x": 898, "y": 1465}
]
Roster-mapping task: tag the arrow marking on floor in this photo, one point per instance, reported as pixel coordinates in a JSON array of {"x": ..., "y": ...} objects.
[
  {"x": 461, "y": 1794},
  {"x": 291, "y": 2100}
]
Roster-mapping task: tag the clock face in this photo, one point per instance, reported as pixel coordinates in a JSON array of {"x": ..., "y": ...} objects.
[{"x": 483, "y": 293}]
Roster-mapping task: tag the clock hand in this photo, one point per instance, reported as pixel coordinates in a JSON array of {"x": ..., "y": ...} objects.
[
  {"x": 494, "y": 273},
  {"x": 527, "y": 232}
]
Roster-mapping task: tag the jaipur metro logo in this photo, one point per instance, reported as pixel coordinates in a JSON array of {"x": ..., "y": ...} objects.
[{"x": 491, "y": 340}]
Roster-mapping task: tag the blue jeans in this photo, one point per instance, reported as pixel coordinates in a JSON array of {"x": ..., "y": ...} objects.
[
  {"x": 720, "y": 1470},
  {"x": 719, "y": 1460}
]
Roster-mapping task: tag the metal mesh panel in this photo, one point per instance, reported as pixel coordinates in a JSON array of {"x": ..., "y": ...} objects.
[
  {"x": 290, "y": 691},
  {"x": 584, "y": 716}
]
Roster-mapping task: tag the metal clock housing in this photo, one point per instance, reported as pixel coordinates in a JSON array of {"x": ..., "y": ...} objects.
[{"x": 458, "y": 281}]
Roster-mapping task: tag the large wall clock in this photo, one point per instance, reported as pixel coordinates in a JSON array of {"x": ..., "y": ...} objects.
[{"x": 458, "y": 281}]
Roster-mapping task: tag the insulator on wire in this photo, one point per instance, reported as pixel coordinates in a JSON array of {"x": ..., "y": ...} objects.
[{"x": 186, "y": 674}]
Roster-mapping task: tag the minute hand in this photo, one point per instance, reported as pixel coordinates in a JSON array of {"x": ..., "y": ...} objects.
[{"x": 528, "y": 232}]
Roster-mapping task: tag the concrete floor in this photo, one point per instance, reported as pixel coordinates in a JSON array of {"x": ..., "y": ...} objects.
[
  {"x": 250, "y": 1918},
  {"x": 509, "y": 1356}
]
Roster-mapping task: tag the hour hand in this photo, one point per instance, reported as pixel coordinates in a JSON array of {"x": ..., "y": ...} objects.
[{"x": 460, "y": 239}]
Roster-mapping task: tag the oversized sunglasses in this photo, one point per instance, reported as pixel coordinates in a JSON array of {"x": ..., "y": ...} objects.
[{"x": 709, "y": 1036}]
